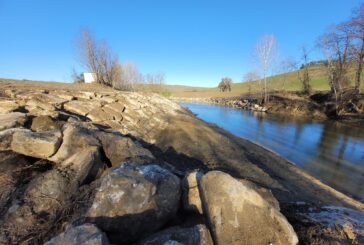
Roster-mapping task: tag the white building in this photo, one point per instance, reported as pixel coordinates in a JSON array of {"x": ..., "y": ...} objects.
[{"x": 89, "y": 77}]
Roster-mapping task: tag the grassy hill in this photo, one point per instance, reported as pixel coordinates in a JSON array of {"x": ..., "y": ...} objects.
[{"x": 282, "y": 82}]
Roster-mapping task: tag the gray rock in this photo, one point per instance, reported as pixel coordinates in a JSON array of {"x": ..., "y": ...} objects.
[
  {"x": 87, "y": 234},
  {"x": 195, "y": 235},
  {"x": 239, "y": 215},
  {"x": 12, "y": 120},
  {"x": 265, "y": 193},
  {"x": 134, "y": 200},
  {"x": 85, "y": 164},
  {"x": 40, "y": 145},
  {"x": 190, "y": 192},
  {"x": 75, "y": 139},
  {"x": 121, "y": 149}
]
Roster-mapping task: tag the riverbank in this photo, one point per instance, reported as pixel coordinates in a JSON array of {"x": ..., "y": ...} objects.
[
  {"x": 62, "y": 151},
  {"x": 318, "y": 106}
]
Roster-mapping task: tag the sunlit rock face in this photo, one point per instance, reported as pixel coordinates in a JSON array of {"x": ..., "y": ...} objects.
[{"x": 145, "y": 196}]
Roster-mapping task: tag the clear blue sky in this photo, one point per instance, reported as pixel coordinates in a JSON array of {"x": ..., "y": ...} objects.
[{"x": 193, "y": 42}]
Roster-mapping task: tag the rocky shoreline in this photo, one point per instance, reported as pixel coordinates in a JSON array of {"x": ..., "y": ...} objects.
[
  {"x": 318, "y": 106},
  {"x": 131, "y": 168}
]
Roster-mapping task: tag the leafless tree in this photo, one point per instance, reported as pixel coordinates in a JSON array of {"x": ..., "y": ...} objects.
[
  {"x": 337, "y": 47},
  {"x": 225, "y": 84},
  {"x": 305, "y": 76},
  {"x": 76, "y": 76},
  {"x": 98, "y": 58},
  {"x": 356, "y": 24},
  {"x": 155, "y": 81},
  {"x": 251, "y": 76},
  {"x": 265, "y": 52}
]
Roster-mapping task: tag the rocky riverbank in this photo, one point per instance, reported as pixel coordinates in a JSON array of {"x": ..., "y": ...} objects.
[
  {"x": 131, "y": 168},
  {"x": 319, "y": 106}
]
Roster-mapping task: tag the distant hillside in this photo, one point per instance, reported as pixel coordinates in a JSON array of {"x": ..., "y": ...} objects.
[{"x": 282, "y": 82}]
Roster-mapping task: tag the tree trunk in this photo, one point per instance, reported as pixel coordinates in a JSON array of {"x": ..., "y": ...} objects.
[{"x": 359, "y": 68}]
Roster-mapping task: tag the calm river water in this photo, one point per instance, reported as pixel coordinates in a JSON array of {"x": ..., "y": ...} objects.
[{"x": 332, "y": 152}]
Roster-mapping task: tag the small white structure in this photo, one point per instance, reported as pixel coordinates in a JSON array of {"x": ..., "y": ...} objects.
[{"x": 89, "y": 77}]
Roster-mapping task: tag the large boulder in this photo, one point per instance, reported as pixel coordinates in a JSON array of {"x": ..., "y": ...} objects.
[
  {"x": 40, "y": 145},
  {"x": 86, "y": 165},
  {"x": 133, "y": 201},
  {"x": 195, "y": 235},
  {"x": 120, "y": 149},
  {"x": 239, "y": 215},
  {"x": 191, "y": 194},
  {"x": 75, "y": 139},
  {"x": 87, "y": 234},
  {"x": 12, "y": 120}
]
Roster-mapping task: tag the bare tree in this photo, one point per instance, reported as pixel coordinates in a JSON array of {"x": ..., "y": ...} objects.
[
  {"x": 76, "y": 76},
  {"x": 265, "y": 52},
  {"x": 356, "y": 23},
  {"x": 251, "y": 76},
  {"x": 305, "y": 77},
  {"x": 337, "y": 47},
  {"x": 225, "y": 84},
  {"x": 98, "y": 58},
  {"x": 155, "y": 81}
]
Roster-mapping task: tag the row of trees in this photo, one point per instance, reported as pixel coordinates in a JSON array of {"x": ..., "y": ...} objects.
[
  {"x": 98, "y": 58},
  {"x": 343, "y": 49}
]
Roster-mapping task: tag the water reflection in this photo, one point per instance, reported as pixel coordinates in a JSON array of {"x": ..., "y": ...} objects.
[{"x": 332, "y": 152}]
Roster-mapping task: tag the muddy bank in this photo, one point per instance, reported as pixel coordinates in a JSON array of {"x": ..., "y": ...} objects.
[{"x": 71, "y": 148}]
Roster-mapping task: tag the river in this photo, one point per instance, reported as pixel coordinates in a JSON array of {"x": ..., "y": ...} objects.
[{"x": 333, "y": 152}]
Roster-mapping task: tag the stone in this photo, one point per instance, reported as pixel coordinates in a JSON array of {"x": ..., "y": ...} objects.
[
  {"x": 34, "y": 144},
  {"x": 99, "y": 115},
  {"x": 6, "y": 136},
  {"x": 12, "y": 120},
  {"x": 134, "y": 200},
  {"x": 7, "y": 106},
  {"x": 44, "y": 123},
  {"x": 239, "y": 215},
  {"x": 75, "y": 139},
  {"x": 86, "y": 165},
  {"x": 81, "y": 107},
  {"x": 87, "y": 234},
  {"x": 190, "y": 192},
  {"x": 119, "y": 149},
  {"x": 265, "y": 193},
  {"x": 195, "y": 235},
  {"x": 116, "y": 115}
]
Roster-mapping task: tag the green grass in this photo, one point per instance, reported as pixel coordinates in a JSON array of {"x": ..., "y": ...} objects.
[{"x": 281, "y": 82}]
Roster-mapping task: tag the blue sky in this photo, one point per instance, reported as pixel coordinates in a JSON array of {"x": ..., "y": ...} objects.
[{"x": 193, "y": 42}]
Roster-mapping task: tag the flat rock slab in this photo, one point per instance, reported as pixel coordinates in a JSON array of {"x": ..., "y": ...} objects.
[
  {"x": 239, "y": 215},
  {"x": 81, "y": 107},
  {"x": 12, "y": 120},
  {"x": 87, "y": 234},
  {"x": 39, "y": 145},
  {"x": 134, "y": 200}
]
